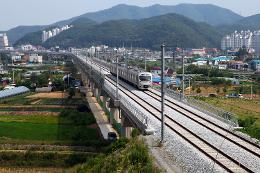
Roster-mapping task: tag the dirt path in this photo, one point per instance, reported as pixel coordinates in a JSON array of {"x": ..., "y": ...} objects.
[
  {"x": 49, "y": 95},
  {"x": 36, "y": 106},
  {"x": 31, "y": 170}
]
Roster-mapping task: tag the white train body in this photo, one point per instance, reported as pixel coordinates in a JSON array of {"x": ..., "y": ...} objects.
[{"x": 142, "y": 80}]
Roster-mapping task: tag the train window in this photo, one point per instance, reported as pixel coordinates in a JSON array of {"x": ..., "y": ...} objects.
[{"x": 145, "y": 78}]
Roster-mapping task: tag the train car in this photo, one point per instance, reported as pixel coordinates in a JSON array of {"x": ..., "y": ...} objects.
[{"x": 141, "y": 80}]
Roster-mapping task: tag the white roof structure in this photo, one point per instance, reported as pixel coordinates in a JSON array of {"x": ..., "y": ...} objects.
[{"x": 13, "y": 92}]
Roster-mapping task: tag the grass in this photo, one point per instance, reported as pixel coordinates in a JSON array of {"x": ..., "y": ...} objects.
[
  {"x": 58, "y": 101},
  {"x": 28, "y": 131},
  {"x": 70, "y": 125},
  {"x": 30, "y": 119},
  {"x": 242, "y": 107},
  {"x": 19, "y": 99},
  {"x": 124, "y": 157},
  {"x": 45, "y": 132},
  {"x": 245, "y": 109},
  {"x": 42, "y": 159}
]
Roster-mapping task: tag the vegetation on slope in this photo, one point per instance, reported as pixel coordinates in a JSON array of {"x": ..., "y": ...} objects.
[
  {"x": 17, "y": 33},
  {"x": 122, "y": 157},
  {"x": 248, "y": 23},
  {"x": 208, "y": 13},
  {"x": 171, "y": 29}
]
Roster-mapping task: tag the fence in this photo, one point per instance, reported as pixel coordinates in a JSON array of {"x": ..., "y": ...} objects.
[{"x": 203, "y": 107}]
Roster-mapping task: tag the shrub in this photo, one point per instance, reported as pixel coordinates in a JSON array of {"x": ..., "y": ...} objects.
[
  {"x": 135, "y": 133},
  {"x": 121, "y": 143},
  {"x": 247, "y": 122}
]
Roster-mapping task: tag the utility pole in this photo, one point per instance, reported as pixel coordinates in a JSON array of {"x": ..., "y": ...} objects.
[
  {"x": 13, "y": 70},
  {"x": 173, "y": 61},
  {"x": 68, "y": 80},
  {"x": 162, "y": 92},
  {"x": 145, "y": 63},
  {"x": 251, "y": 91},
  {"x": 13, "y": 77},
  {"x": 99, "y": 58},
  {"x": 189, "y": 84},
  {"x": 116, "y": 75},
  {"x": 183, "y": 77}
]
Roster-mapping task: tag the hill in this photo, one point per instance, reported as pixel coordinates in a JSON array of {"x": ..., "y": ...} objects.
[
  {"x": 18, "y": 32},
  {"x": 171, "y": 29},
  {"x": 35, "y": 38},
  {"x": 210, "y": 14},
  {"x": 247, "y": 23}
]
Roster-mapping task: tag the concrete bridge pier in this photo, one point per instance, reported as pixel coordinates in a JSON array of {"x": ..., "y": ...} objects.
[
  {"x": 106, "y": 102},
  {"x": 97, "y": 92},
  {"x": 127, "y": 127},
  {"x": 115, "y": 111},
  {"x": 103, "y": 96},
  {"x": 87, "y": 81},
  {"x": 116, "y": 115},
  {"x": 92, "y": 87}
]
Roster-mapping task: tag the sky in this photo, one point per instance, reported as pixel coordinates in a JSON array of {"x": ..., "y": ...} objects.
[{"x": 42, "y": 12}]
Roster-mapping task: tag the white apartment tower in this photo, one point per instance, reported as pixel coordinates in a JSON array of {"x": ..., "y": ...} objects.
[
  {"x": 237, "y": 40},
  {"x": 256, "y": 41},
  {"x": 55, "y": 31},
  {"x": 3, "y": 40}
]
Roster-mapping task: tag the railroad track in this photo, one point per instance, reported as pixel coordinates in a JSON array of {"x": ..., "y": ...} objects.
[
  {"x": 224, "y": 160},
  {"x": 225, "y": 133}
]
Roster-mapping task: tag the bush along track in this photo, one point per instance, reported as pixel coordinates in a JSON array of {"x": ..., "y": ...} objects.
[{"x": 122, "y": 156}]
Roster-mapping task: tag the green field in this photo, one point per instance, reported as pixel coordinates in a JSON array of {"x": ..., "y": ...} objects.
[
  {"x": 58, "y": 101},
  {"x": 17, "y": 100},
  {"x": 243, "y": 108},
  {"x": 69, "y": 126},
  {"x": 248, "y": 112}
]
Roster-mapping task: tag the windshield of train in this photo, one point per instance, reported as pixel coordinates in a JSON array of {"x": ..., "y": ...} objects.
[{"x": 145, "y": 78}]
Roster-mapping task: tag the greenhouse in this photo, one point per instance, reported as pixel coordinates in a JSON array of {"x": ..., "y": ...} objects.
[{"x": 13, "y": 92}]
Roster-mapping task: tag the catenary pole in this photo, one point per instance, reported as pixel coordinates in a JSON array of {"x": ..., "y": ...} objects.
[{"x": 162, "y": 92}]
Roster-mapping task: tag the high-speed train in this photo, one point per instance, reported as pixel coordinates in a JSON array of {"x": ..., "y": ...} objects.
[{"x": 141, "y": 80}]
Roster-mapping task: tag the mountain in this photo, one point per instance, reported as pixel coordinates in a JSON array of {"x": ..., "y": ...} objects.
[
  {"x": 248, "y": 23},
  {"x": 35, "y": 38},
  {"x": 171, "y": 29},
  {"x": 208, "y": 13},
  {"x": 18, "y": 32}
]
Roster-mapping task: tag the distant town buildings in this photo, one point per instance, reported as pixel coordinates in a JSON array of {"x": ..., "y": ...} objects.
[
  {"x": 200, "y": 52},
  {"x": 236, "y": 40},
  {"x": 35, "y": 58},
  {"x": 3, "y": 41},
  {"x": 27, "y": 47},
  {"x": 256, "y": 41},
  {"x": 51, "y": 33},
  {"x": 254, "y": 65}
]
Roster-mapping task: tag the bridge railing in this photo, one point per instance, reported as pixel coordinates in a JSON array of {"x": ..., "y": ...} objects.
[
  {"x": 139, "y": 116},
  {"x": 128, "y": 105},
  {"x": 206, "y": 108}
]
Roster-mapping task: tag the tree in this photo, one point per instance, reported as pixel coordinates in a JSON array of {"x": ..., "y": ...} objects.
[
  {"x": 225, "y": 89},
  {"x": 71, "y": 92},
  {"x": 26, "y": 83},
  {"x": 242, "y": 53},
  {"x": 198, "y": 90},
  {"x": 58, "y": 84}
]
